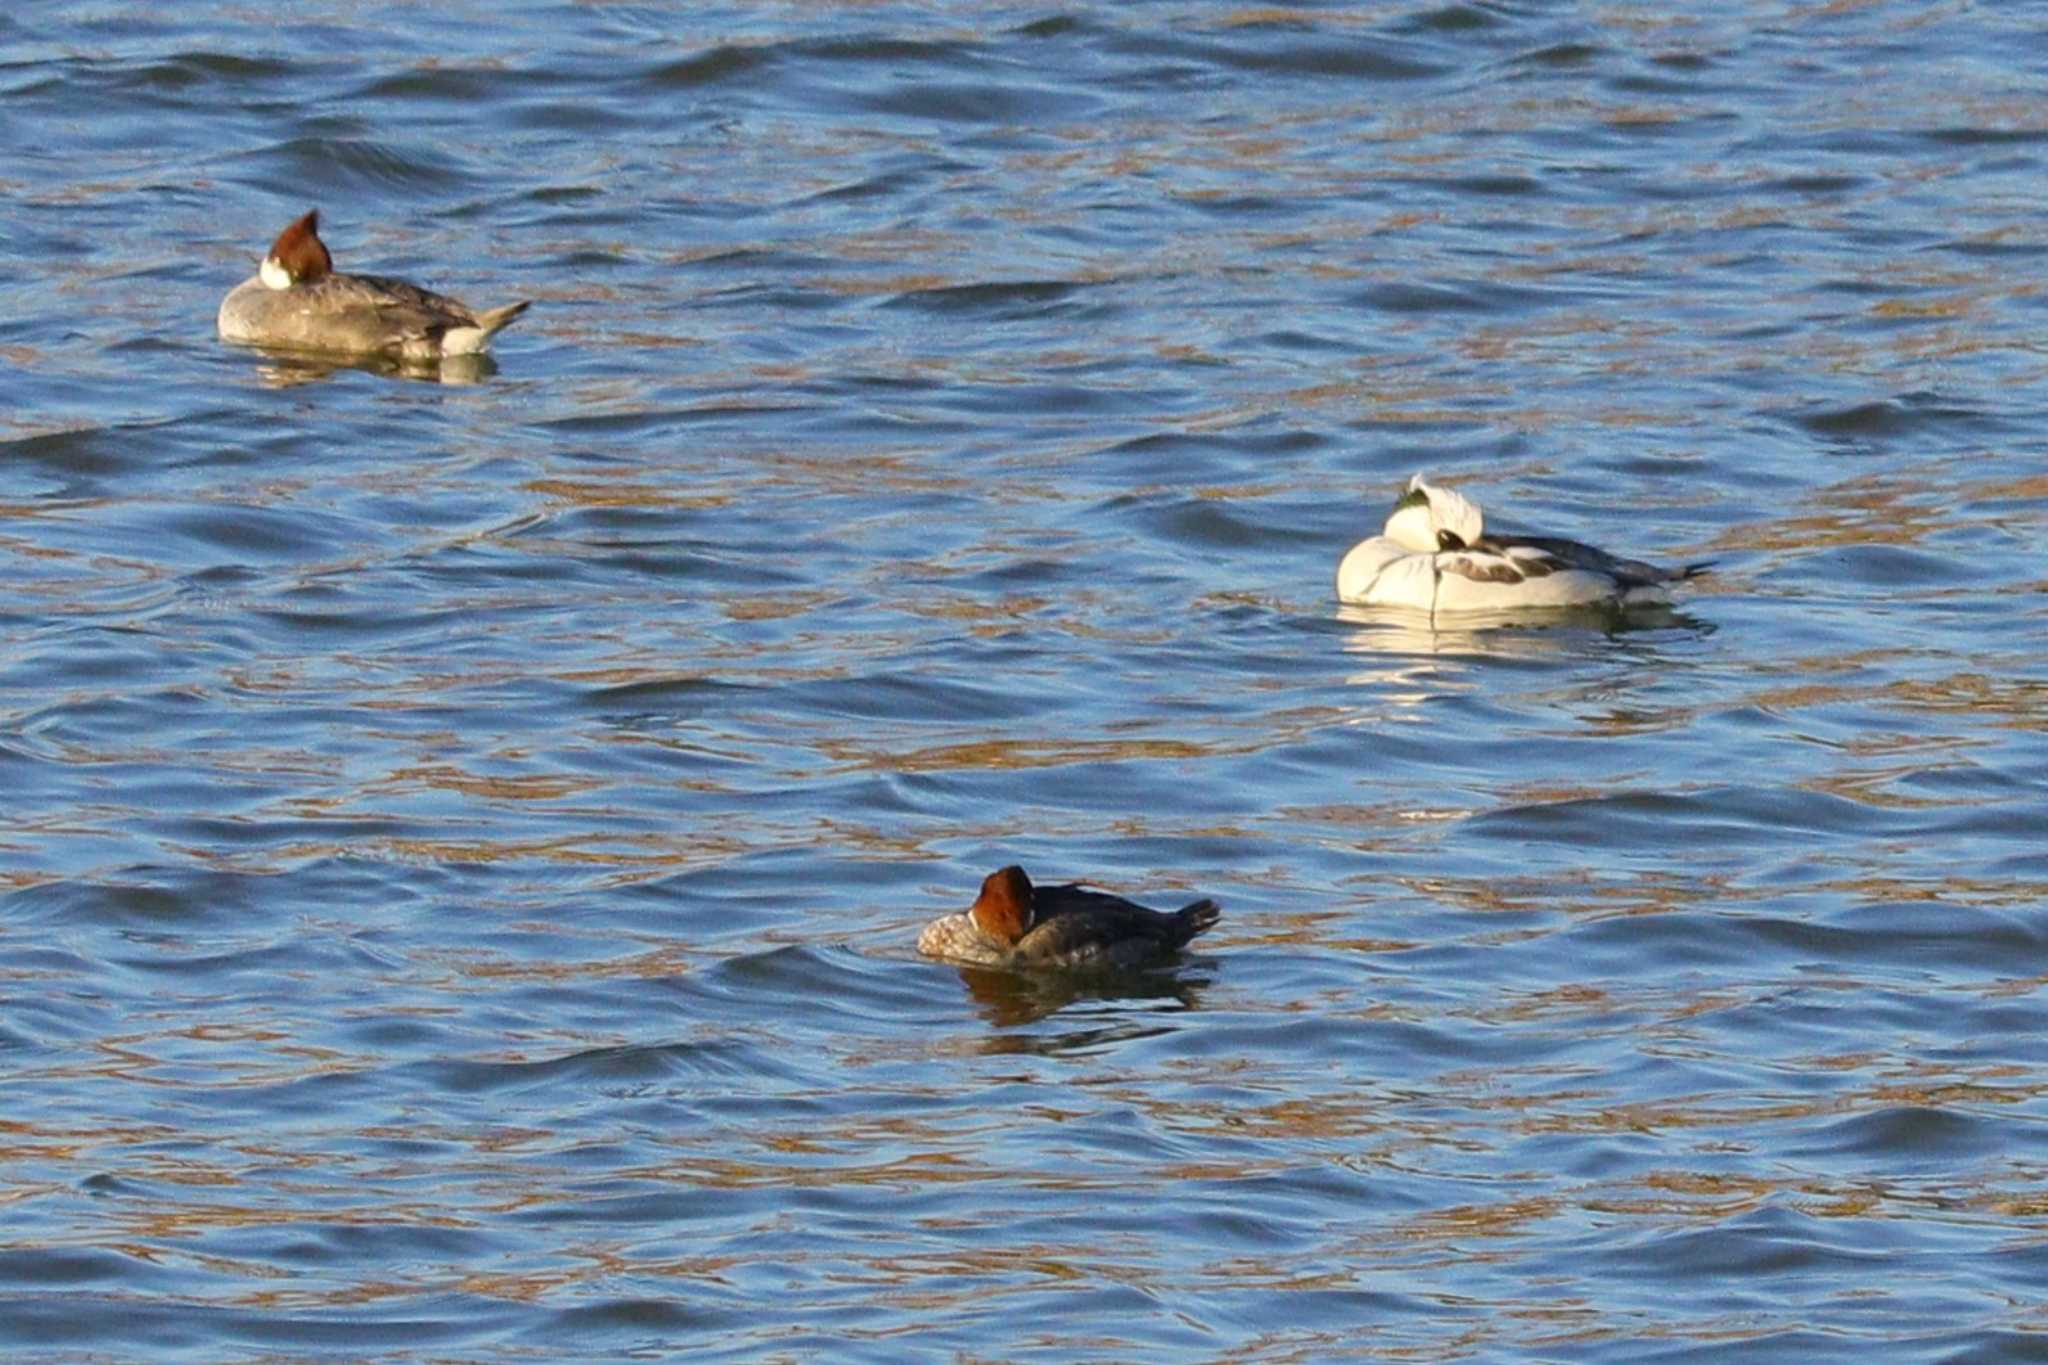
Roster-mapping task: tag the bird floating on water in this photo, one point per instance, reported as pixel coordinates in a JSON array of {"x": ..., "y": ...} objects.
[
  {"x": 298, "y": 301},
  {"x": 1015, "y": 924},
  {"x": 1435, "y": 555}
]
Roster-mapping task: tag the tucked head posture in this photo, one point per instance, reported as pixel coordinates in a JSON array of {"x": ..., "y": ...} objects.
[
  {"x": 298, "y": 301},
  {"x": 1426, "y": 512},
  {"x": 1435, "y": 555},
  {"x": 1015, "y": 924},
  {"x": 298, "y": 256}
]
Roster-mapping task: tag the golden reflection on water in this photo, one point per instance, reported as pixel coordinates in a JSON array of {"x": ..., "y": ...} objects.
[
  {"x": 1894, "y": 508},
  {"x": 1347, "y": 864},
  {"x": 621, "y": 492},
  {"x": 505, "y": 1169},
  {"x": 656, "y": 963},
  {"x": 1012, "y": 754}
]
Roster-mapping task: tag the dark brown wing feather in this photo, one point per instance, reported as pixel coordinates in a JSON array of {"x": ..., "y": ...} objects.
[
  {"x": 1481, "y": 566},
  {"x": 1075, "y": 920}
]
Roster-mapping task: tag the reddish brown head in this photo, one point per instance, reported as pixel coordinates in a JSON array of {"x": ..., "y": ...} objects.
[
  {"x": 300, "y": 253},
  {"x": 1003, "y": 909}
]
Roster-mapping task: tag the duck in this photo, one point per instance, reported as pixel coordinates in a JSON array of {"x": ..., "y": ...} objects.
[
  {"x": 1435, "y": 555},
  {"x": 298, "y": 301},
  {"x": 1072, "y": 927}
]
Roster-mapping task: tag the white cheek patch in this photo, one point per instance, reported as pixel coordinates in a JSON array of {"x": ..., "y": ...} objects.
[
  {"x": 1411, "y": 529},
  {"x": 273, "y": 275}
]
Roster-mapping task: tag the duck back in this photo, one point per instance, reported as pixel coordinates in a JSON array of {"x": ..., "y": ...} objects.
[{"x": 1080, "y": 927}]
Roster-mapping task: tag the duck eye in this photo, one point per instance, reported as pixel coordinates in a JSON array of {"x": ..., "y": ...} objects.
[{"x": 1449, "y": 540}]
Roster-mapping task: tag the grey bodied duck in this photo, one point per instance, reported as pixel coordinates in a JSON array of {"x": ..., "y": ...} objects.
[{"x": 298, "y": 301}]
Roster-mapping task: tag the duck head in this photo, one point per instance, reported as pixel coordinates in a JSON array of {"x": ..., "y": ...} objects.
[
  {"x": 1003, "y": 909},
  {"x": 298, "y": 256},
  {"x": 1428, "y": 519}
]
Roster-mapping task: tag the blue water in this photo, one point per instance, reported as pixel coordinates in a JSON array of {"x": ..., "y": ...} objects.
[{"x": 461, "y": 843}]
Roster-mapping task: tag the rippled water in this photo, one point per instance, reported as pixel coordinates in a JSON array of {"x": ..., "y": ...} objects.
[{"x": 463, "y": 842}]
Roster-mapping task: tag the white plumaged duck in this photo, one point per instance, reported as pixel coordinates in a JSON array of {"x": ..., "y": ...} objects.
[
  {"x": 1435, "y": 555},
  {"x": 297, "y": 300}
]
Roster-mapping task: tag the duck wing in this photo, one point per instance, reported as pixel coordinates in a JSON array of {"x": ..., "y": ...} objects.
[
  {"x": 1078, "y": 923},
  {"x": 397, "y": 296},
  {"x": 1497, "y": 557},
  {"x": 404, "y": 311},
  {"x": 1484, "y": 564}
]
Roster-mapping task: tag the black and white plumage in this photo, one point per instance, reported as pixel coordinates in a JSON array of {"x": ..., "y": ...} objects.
[{"x": 1435, "y": 555}]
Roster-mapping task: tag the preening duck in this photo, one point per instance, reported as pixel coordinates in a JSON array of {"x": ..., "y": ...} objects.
[
  {"x": 298, "y": 301},
  {"x": 1435, "y": 555},
  {"x": 1015, "y": 924}
]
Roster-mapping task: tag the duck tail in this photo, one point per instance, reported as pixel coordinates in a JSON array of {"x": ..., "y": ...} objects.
[
  {"x": 1704, "y": 567},
  {"x": 494, "y": 319},
  {"x": 1197, "y": 918},
  {"x": 470, "y": 340}
]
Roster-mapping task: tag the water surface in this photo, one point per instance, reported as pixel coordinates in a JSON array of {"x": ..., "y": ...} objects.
[{"x": 463, "y": 841}]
